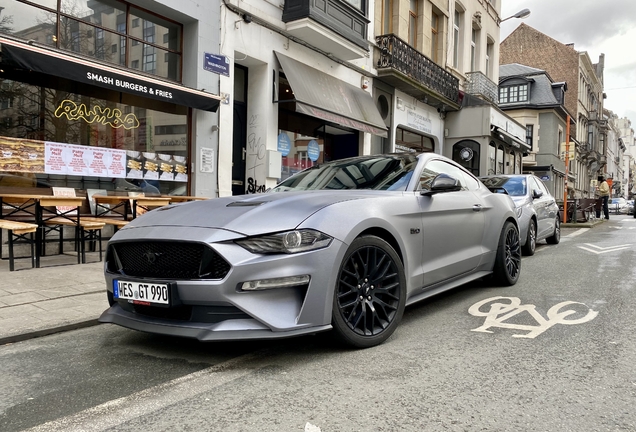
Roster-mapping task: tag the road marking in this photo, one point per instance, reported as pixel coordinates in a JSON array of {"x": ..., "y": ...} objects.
[
  {"x": 500, "y": 312},
  {"x": 601, "y": 250},
  {"x": 113, "y": 413},
  {"x": 577, "y": 232}
]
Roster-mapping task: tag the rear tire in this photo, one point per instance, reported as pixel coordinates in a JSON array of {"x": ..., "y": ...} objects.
[
  {"x": 556, "y": 237},
  {"x": 508, "y": 260},
  {"x": 531, "y": 239},
  {"x": 370, "y": 294}
]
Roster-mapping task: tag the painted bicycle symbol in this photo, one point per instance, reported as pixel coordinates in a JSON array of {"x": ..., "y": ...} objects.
[{"x": 503, "y": 308}]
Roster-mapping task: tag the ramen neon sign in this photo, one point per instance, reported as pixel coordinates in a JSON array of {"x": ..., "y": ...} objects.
[{"x": 112, "y": 117}]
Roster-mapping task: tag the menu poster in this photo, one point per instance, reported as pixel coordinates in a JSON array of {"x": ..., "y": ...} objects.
[
  {"x": 180, "y": 169},
  {"x": 21, "y": 155},
  {"x": 134, "y": 165},
  {"x": 116, "y": 163},
  {"x": 166, "y": 167},
  {"x": 89, "y": 161},
  {"x": 151, "y": 166}
]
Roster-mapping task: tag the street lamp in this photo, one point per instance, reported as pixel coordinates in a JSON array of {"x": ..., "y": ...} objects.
[{"x": 521, "y": 15}]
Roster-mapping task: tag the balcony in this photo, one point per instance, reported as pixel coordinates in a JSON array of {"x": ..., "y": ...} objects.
[
  {"x": 334, "y": 26},
  {"x": 403, "y": 67},
  {"x": 480, "y": 85}
]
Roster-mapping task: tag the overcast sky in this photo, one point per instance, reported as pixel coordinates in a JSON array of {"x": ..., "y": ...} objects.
[{"x": 596, "y": 26}]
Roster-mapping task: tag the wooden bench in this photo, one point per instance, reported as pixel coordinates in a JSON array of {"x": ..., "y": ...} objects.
[
  {"x": 86, "y": 231},
  {"x": 117, "y": 223},
  {"x": 19, "y": 230}
]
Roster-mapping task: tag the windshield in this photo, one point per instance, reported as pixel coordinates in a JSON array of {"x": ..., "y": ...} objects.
[
  {"x": 373, "y": 172},
  {"x": 515, "y": 186}
]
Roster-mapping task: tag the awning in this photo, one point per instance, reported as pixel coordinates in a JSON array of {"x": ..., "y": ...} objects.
[
  {"x": 509, "y": 138},
  {"x": 57, "y": 63},
  {"x": 325, "y": 97}
]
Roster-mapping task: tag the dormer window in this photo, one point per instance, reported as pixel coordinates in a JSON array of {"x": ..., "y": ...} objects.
[{"x": 513, "y": 93}]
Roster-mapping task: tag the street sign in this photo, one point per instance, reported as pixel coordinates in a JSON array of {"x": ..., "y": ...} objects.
[{"x": 216, "y": 63}]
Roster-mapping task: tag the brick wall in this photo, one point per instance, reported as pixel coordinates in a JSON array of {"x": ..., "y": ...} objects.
[{"x": 530, "y": 47}]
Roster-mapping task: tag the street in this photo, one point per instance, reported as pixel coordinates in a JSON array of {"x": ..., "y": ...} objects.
[{"x": 555, "y": 352}]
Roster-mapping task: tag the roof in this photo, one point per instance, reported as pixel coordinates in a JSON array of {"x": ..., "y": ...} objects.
[
  {"x": 541, "y": 93},
  {"x": 516, "y": 69}
]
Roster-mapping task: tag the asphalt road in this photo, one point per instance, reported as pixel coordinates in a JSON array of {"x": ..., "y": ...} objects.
[{"x": 555, "y": 352}]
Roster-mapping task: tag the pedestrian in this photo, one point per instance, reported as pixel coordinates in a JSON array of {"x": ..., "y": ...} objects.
[{"x": 603, "y": 192}]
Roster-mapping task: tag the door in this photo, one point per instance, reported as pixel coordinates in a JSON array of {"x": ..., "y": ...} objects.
[
  {"x": 453, "y": 226},
  {"x": 239, "y": 130}
]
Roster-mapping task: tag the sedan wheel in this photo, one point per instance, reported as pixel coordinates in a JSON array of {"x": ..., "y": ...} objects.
[
  {"x": 556, "y": 237},
  {"x": 531, "y": 239},
  {"x": 370, "y": 294},
  {"x": 508, "y": 261}
]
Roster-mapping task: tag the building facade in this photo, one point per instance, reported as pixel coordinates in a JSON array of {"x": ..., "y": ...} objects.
[
  {"x": 584, "y": 98},
  {"x": 531, "y": 97}
]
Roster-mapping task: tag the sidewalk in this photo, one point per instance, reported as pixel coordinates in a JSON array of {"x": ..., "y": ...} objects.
[{"x": 37, "y": 302}]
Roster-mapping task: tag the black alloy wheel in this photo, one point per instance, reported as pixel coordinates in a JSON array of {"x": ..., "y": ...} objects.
[
  {"x": 370, "y": 294},
  {"x": 508, "y": 260}
]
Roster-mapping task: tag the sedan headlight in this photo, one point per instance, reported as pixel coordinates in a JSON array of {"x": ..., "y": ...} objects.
[{"x": 286, "y": 242}]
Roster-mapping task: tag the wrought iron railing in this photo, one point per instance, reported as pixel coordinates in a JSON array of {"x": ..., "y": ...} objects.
[
  {"x": 480, "y": 85},
  {"x": 399, "y": 55}
]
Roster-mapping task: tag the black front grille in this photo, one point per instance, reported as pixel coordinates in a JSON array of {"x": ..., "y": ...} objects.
[{"x": 166, "y": 260}]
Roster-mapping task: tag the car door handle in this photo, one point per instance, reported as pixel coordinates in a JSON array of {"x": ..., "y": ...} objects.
[{"x": 477, "y": 207}]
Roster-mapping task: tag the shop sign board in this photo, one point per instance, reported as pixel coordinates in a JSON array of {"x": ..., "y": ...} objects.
[
  {"x": 313, "y": 150},
  {"x": 284, "y": 144}
]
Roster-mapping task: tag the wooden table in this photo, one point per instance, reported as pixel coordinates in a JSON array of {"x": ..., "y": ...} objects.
[
  {"x": 39, "y": 207},
  {"x": 147, "y": 203},
  {"x": 183, "y": 198},
  {"x": 105, "y": 204}
]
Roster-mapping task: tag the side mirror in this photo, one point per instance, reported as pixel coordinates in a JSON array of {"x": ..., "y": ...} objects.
[
  {"x": 536, "y": 193},
  {"x": 443, "y": 183}
]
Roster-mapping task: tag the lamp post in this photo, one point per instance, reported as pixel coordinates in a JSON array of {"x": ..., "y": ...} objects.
[{"x": 523, "y": 13}]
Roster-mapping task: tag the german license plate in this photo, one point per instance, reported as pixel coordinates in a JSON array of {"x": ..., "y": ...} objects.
[{"x": 142, "y": 292}]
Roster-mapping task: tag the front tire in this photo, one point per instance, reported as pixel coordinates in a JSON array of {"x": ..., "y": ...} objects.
[
  {"x": 508, "y": 260},
  {"x": 556, "y": 237},
  {"x": 370, "y": 294},
  {"x": 531, "y": 239}
]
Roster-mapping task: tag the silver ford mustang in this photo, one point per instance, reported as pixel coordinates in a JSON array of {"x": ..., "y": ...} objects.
[{"x": 344, "y": 245}]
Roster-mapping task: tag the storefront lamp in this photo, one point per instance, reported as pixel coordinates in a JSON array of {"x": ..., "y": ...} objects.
[{"x": 521, "y": 15}]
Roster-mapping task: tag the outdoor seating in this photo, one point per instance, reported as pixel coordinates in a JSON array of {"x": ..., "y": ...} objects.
[{"x": 19, "y": 231}]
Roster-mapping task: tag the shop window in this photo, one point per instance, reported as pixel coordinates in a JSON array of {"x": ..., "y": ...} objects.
[
  {"x": 387, "y": 16},
  {"x": 500, "y": 160},
  {"x": 492, "y": 161},
  {"x": 407, "y": 141},
  {"x": 512, "y": 163},
  {"x": 467, "y": 154}
]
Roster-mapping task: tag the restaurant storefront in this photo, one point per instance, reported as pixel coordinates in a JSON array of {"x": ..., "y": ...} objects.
[{"x": 93, "y": 101}]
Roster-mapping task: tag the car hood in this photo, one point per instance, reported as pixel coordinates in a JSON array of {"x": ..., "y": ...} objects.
[{"x": 249, "y": 214}]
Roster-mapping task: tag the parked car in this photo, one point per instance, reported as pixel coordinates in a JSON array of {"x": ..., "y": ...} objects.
[
  {"x": 630, "y": 207},
  {"x": 618, "y": 205},
  {"x": 538, "y": 211},
  {"x": 344, "y": 245}
]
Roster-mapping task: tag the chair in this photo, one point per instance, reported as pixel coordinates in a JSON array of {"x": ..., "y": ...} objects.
[{"x": 85, "y": 230}]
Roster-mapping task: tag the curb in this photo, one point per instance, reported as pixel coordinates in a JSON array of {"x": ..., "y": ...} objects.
[{"x": 48, "y": 331}]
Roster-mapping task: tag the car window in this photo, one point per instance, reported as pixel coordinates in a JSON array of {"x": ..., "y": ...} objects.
[
  {"x": 373, "y": 172},
  {"x": 542, "y": 186},
  {"x": 434, "y": 168},
  {"x": 471, "y": 182}
]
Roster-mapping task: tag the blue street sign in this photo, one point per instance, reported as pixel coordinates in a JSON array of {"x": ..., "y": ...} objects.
[{"x": 216, "y": 63}]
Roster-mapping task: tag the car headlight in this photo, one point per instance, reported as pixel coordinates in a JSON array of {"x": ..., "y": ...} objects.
[
  {"x": 519, "y": 211},
  {"x": 286, "y": 242}
]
